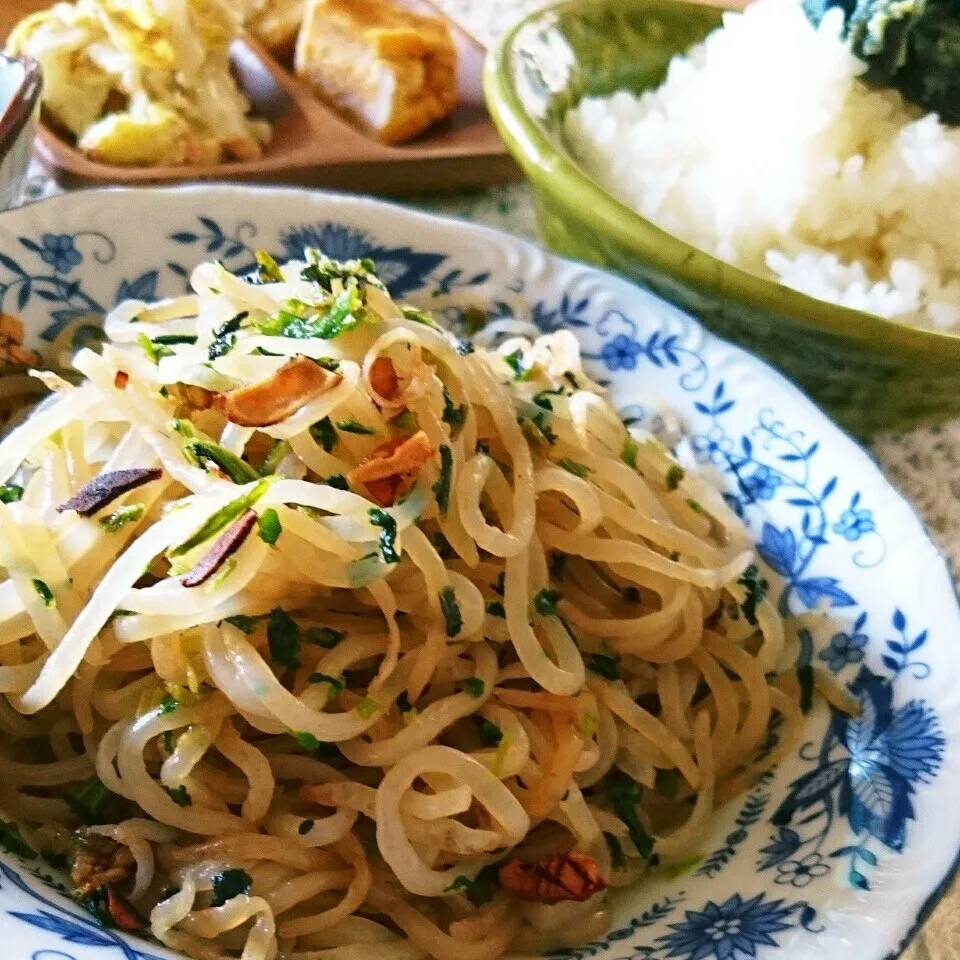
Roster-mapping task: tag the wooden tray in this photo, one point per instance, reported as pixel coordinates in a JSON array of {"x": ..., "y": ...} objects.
[{"x": 312, "y": 144}]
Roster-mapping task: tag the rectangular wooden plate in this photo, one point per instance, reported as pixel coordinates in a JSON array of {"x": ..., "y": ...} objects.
[{"x": 312, "y": 144}]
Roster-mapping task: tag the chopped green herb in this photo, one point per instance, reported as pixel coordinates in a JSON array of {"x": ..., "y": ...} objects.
[
  {"x": 366, "y": 708},
  {"x": 175, "y": 339},
  {"x": 604, "y": 665},
  {"x": 441, "y": 489},
  {"x": 323, "y": 270},
  {"x": 418, "y": 316},
  {"x": 480, "y": 890},
  {"x": 92, "y": 802},
  {"x": 499, "y": 588},
  {"x": 545, "y": 602},
  {"x": 542, "y": 399},
  {"x": 336, "y": 683},
  {"x": 306, "y": 740},
  {"x": 222, "y": 518},
  {"x": 327, "y": 322},
  {"x": 675, "y": 475},
  {"x": 453, "y": 415},
  {"x": 675, "y": 556},
  {"x": 354, "y": 426},
  {"x": 515, "y": 362},
  {"x": 11, "y": 840},
  {"x": 464, "y": 347},
  {"x": 451, "y": 611},
  {"x": 244, "y": 623},
  {"x": 279, "y": 450},
  {"x": 495, "y": 609},
  {"x": 325, "y": 637},
  {"x": 155, "y": 353},
  {"x": 668, "y": 783},
  {"x": 338, "y": 481},
  {"x": 184, "y": 428},
  {"x": 537, "y": 428},
  {"x": 388, "y": 534},
  {"x": 225, "y": 338},
  {"x": 490, "y": 733},
  {"x": 230, "y": 884},
  {"x": 305, "y": 827},
  {"x": 805, "y": 679},
  {"x": 283, "y": 636},
  {"x": 168, "y": 741},
  {"x": 323, "y": 434},
  {"x": 269, "y": 527},
  {"x": 571, "y": 379},
  {"x": 120, "y": 517},
  {"x": 618, "y": 859},
  {"x": 572, "y": 466},
  {"x": 696, "y": 506},
  {"x": 205, "y": 451},
  {"x": 629, "y": 452},
  {"x": 168, "y": 704},
  {"x": 474, "y": 687},
  {"x": 267, "y": 268},
  {"x": 541, "y": 422},
  {"x": 624, "y": 796},
  {"x": 44, "y": 593},
  {"x": 756, "y": 589},
  {"x": 10, "y": 493},
  {"x": 179, "y": 796},
  {"x": 405, "y": 421}
]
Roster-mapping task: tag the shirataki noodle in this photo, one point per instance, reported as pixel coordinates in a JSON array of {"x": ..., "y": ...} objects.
[{"x": 309, "y": 685}]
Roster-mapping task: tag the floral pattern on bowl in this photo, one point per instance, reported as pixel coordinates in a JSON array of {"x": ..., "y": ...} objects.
[{"x": 848, "y": 842}]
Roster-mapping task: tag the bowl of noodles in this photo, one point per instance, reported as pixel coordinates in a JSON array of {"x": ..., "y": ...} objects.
[{"x": 375, "y": 582}]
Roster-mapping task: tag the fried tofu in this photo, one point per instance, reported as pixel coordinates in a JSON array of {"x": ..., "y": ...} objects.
[
  {"x": 276, "y": 24},
  {"x": 393, "y": 70}
]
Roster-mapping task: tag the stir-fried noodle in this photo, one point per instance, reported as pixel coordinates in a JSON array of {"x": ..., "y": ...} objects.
[{"x": 323, "y": 631}]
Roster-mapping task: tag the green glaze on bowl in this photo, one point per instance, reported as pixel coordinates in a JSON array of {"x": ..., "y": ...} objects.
[{"x": 869, "y": 373}]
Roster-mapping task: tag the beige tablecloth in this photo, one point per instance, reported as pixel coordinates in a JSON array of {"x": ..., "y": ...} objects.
[{"x": 924, "y": 464}]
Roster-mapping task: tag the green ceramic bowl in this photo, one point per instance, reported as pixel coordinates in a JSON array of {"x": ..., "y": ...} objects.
[{"x": 869, "y": 373}]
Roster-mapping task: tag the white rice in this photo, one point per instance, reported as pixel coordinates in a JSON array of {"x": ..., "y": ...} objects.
[{"x": 764, "y": 148}]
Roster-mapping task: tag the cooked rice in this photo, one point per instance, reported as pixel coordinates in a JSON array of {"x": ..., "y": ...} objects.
[{"x": 764, "y": 148}]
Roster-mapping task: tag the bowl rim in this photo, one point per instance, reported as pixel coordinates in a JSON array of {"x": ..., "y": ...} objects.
[
  {"x": 568, "y": 184},
  {"x": 15, "y": 116}
]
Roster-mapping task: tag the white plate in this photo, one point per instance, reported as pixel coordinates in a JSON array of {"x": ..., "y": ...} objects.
[{"x": 839, "y": 853}]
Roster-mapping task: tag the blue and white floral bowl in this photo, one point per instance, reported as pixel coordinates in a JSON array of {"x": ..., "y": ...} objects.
[{"x": 841, "y": 851}]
